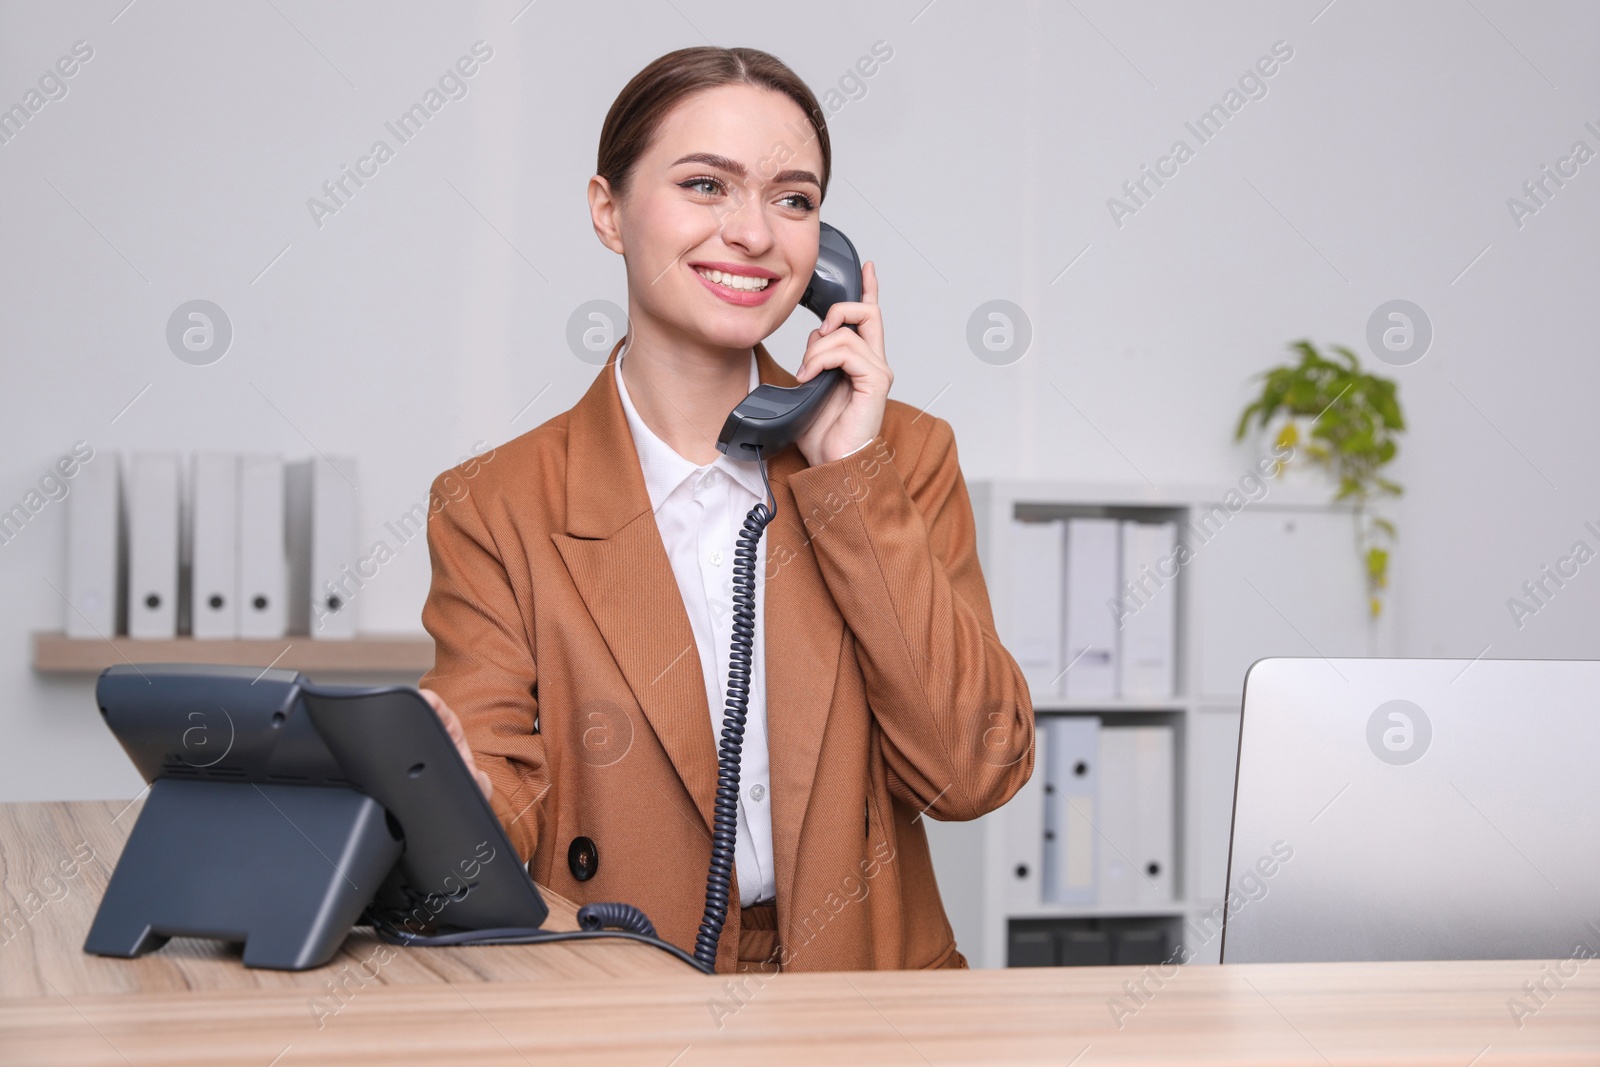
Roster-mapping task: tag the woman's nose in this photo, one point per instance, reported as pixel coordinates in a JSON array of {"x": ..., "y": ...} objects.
[{"x": 745, "y": 224}]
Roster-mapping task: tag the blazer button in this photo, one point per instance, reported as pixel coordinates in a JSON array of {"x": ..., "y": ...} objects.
[{"x": 583, "y": 859}]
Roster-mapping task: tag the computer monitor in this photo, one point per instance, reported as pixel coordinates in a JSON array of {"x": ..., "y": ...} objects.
[{"x": 1416, "y": 809}]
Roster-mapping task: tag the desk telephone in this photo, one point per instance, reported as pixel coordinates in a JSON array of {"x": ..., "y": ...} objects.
[{"x": 247, "y": 768}]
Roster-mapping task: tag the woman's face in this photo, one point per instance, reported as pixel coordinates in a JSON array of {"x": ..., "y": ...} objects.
[{"x": 730, "y": 185}]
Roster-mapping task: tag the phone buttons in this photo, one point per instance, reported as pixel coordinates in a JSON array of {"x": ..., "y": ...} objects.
[{"x": 583, "y": 858}]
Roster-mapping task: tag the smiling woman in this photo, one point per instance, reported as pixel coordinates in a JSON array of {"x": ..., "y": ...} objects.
[{"x": 592, "y": 643}]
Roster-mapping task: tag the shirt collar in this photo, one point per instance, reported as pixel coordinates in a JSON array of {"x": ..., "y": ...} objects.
[{"x": 664, "y": 469}]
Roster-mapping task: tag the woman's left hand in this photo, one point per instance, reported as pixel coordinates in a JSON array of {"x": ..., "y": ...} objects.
[{"x": 853, "y": 414}]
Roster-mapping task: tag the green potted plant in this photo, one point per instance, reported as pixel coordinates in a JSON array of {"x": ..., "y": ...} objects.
[{"x": 1343, "y": 421}]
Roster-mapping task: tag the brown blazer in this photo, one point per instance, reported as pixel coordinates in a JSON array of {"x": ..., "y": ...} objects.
[{"x": 564, "y": 646}]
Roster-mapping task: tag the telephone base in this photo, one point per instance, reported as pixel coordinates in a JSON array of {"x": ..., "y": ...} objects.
[{"x": 286, "y": 869}]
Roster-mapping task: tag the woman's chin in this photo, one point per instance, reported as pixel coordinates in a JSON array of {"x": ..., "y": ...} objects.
[{"x": 737, "y": 334}]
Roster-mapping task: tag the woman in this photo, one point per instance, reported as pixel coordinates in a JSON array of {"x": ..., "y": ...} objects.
[{"x": 581, "y": 595}]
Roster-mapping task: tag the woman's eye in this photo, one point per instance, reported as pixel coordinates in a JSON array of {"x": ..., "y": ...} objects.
[
  {"x": 802, "y": 201},
  {"x": 694, "y": 183}
]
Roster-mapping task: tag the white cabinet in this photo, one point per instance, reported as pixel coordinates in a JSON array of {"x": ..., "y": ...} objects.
[
  {"x": 1279, "y": 576},
  {"x": 1276, "y": 582},
  {"x": 1216, "y": 750}
]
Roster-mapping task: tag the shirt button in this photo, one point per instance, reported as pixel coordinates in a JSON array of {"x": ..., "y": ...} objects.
[
  {"x": 710, "y": 479},
  {"x": 757, "y": 791},
  {"x": 715, "y": 557}
]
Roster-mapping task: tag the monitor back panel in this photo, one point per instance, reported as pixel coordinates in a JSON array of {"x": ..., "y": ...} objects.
[{"x": 1416, "y": 809}]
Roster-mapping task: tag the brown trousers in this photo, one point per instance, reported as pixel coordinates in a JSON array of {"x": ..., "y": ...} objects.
[{"x": 758, "y": 941}]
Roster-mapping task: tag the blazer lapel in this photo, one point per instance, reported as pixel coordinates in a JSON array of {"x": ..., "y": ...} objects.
[
  {"x": 613, "y": 550},
  {"x": 614, "y": 553},
  {"x": 804, "y": 636}
]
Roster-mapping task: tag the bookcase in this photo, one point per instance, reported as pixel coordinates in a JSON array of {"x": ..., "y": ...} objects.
[{"x": 1272, "y": 569}]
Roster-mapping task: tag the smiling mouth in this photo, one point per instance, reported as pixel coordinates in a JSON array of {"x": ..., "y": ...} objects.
[{"x": 742, "y": 282}]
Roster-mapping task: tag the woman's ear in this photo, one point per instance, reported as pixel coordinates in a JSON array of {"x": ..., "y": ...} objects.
[{"x": 603, "y": 212}]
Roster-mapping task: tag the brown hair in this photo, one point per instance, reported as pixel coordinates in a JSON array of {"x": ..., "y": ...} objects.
[{"x": 638, "y": 110}]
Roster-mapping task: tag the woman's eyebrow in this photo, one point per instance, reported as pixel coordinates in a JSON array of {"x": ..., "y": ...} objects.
[{"x": 733, "y": 166}]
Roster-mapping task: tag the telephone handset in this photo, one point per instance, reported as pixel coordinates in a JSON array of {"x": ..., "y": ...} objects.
[{"x": 772, "y": 416}]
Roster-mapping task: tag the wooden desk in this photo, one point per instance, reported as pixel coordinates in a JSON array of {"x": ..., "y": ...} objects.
[{"x": 615, "y": 1002}]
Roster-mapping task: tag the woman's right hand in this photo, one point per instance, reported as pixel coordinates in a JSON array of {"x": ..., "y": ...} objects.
[{"x": 453, "y": 727}]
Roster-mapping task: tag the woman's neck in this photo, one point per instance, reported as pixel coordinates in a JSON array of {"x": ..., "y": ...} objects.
[{"x": 684, "y": 393}]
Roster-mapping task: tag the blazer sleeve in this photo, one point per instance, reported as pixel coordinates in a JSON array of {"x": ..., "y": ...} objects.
[
  {"x": 483, "y": 660},
  {"x": 895, "y": 539}
]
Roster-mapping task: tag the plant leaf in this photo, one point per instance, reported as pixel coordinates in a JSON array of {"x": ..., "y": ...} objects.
[{"x": 1378, "y": 566}]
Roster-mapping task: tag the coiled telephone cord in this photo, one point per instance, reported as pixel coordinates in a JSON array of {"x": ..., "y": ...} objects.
[{"x": 725, "y": 812}]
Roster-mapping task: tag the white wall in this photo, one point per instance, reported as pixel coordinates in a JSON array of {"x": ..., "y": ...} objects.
[{"x": 432, "y": 308}]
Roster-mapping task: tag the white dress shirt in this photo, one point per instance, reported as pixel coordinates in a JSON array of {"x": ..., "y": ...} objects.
[{"x": 700, "y": 511}]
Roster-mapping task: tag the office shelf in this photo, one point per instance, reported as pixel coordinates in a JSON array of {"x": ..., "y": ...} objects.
[
  {"x": 56, "y": 653},
  {"x": 1103, "y": 911},
  {"x": 1169, "y": 705},
  {"x": 1275, "y": 574}
]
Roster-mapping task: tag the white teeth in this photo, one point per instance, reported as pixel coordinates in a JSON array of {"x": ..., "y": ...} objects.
[{"x": 735, "y": 281}]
